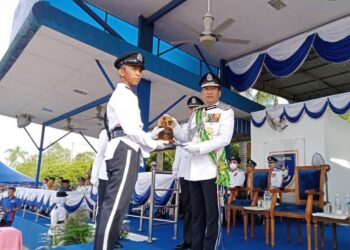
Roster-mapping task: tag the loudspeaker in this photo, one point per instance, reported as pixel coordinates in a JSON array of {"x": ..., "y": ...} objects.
[{"x": 23, "y": 120}]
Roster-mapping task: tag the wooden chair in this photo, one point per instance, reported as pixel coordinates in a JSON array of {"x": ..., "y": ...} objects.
[
  {"x": 309, "y": 198},
  {"x": 260, "y": 181}
]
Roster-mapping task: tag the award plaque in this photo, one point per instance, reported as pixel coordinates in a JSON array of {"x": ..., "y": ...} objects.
[{"x": 167, "y": 134}]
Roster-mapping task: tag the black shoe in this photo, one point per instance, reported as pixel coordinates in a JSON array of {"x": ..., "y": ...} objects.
[
  {"x": 118, "y": 245},
  {"x": 183, "y": 245}
]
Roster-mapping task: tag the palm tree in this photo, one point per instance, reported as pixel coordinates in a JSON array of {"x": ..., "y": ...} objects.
[{"x": 15, "y": 155}]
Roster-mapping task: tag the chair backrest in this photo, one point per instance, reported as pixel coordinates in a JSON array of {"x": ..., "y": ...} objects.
[
  {"x": 260, "y": 178},
  {"x": 310, "y": 177}
]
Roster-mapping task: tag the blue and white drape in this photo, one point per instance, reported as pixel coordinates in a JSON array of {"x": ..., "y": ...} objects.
[
  {"x": 45, "y": 199},
  {"x": 331, "y": 42},
  {"x": 339, "y": 104},
  {"x": 143, "y": 188}
]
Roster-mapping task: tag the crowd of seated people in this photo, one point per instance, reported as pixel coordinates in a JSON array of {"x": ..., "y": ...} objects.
[{"x": 64, "y": 185}]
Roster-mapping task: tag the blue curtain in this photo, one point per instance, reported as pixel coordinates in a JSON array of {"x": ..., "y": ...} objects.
[
  {"x": 73, "y": 208},
  {"x": 295, "y": 118},
  {"x": 246, "y": 80},
  {"x": 339, "y": 110},
  {"x": 337, "y": 52},
  {"x": 258, "y": 124},
  {"x": 290, "y": 65},
  {"x": 316, "y": 115}
]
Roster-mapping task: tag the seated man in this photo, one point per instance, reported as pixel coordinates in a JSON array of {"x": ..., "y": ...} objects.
[
  {"x": 237, "y": 176},
  {"x": 277, "y": 174},
  {"x": 81, "y": 185},
  {"x": 65, "y": 186}
]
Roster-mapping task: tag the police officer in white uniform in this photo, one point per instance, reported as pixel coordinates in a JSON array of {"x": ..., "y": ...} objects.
[
  {"x": 125, "y": 151},
  {"x": 59, "y": 213},
  {"x": 82, "y": 187},
  {"x": 216, "y": 122},
  {"x": 180, "y": 167},
  {"x": 277, "y": 174},
  {"x": 237, "y": 175}
]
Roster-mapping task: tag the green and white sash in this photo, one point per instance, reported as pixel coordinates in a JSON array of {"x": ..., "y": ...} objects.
[{"x": 218, "y": 157}]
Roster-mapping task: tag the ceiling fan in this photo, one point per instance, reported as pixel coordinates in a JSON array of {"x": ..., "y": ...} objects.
[
  {"x": 209, "y": 36},
  {"x": 71, "y": 127}
]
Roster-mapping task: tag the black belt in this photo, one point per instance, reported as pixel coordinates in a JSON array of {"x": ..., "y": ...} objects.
[
  {"x": 60, "y": 222},
  {"x": 117, "y": 132}
]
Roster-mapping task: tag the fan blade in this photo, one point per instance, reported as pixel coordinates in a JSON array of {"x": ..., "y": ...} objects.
[
  {"x": 189, "y": 27},
  {"x": 224, "y": 25},
  {"x": 232, "y": 40},
  {"x": 184, "y": 41}
]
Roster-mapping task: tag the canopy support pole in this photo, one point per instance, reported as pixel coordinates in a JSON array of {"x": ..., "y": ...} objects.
[
  {"x": 40, "y": 156},
  {"x": 87, "y": 141}
]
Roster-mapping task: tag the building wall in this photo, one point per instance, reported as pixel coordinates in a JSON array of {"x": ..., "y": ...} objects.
[{"x": 337, "y": 138}]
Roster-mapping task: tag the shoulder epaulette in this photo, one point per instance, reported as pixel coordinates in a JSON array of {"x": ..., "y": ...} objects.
[{"x": 223, "y": 106}]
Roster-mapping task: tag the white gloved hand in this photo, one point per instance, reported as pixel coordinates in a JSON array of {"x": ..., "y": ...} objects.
[
  {"x": 192, "y": 148},
  {"x": 174, "y": 174},
  {"x": 175, "y": 122},
  {"x": 162, "y": 144},
  {"x": 156, "y": 130},
  {"x": 94, "y": 180},
  {"x": 94, "y": 188}
]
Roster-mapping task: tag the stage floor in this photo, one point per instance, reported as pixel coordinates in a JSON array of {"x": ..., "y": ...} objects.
[{"x": 163, "y": 234}]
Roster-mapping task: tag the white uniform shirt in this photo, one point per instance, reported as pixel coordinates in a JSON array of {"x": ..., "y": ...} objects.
[
  {"x": 276, "y": 178},
  {"x": 99, "y": 166},
  {"x": 123, "y": 111},
  {"x": 237, "y": 178},
  {"x": 84, "y": 189},
  {"x": 58, "y": 213},
  {"x": 182, "y": 162},
  {"x": 218, "y": 121}
]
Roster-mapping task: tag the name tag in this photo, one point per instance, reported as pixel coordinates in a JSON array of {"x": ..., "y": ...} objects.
[{"x": 212, "y": 118}]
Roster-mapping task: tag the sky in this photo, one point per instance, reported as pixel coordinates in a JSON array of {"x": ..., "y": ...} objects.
[{"x": 10, "y": 135}]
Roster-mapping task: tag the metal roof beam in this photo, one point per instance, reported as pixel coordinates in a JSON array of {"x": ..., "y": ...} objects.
[
  {"x": 99, "y": 20},
  {"x": 163, "y": 11},
  {"x": 323, "y": 89}
]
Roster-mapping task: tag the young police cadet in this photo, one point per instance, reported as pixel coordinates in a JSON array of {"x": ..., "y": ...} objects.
[
  {"x": 124, "y": 154},
  {"x": 180, "y": 166},
  {"x": 210, "y": 129}
]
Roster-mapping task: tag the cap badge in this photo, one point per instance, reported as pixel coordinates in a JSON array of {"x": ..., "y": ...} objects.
[
  {"x": 193, "y": 100},
  {"x": 209, "y": 77},
  {"x": 139, "y": 57}
]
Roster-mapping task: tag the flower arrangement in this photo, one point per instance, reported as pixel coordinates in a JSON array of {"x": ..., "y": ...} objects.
[{"x": 124, "y": 231}]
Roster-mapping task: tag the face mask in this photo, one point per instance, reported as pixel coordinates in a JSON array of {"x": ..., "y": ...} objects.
[{"x": 233, "y": 166}]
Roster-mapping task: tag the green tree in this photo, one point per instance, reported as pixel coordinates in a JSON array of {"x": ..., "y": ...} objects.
[
  {"x": 265, "y": 99},
  {"x": 28, "y": 167},
  {"x": 234, "y": 149},
  {"x": 168, "y": 159},
  {"x": 15, "y": 156},
  {"x": 85, "y": 157}
]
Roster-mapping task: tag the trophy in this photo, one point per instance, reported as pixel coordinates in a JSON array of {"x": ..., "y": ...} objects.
[{"x": 166, "y": 134}]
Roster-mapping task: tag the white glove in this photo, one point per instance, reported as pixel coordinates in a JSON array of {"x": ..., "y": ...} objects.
[
  {"x": 175, "y": 123},
  {"x": 174, "y": 174},
  {"x": 192, "y": 148},
  {"x": 155, "y": 132},
  {"x": 162, "y": 144},
  {"x": 94, "y": 189},
  {"x": 94, "y": 180}
]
